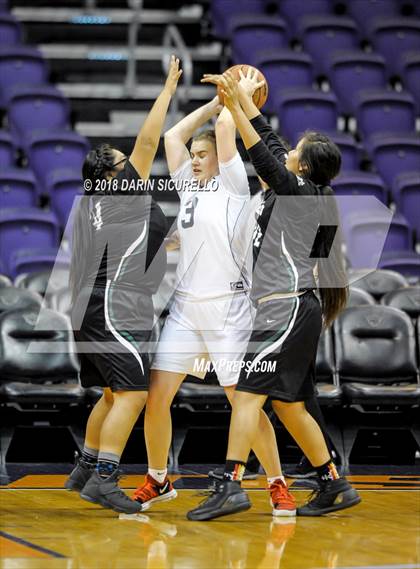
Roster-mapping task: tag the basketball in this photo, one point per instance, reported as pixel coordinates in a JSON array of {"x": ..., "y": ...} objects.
[{"x": 260, "y": 95}]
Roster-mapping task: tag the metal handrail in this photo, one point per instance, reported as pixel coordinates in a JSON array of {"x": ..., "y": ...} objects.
[
  {"x": 131, "y": 73},
  {"x": 173, "y": 37}
]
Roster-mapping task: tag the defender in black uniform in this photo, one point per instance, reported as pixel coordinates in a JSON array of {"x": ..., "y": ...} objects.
[
  {"x": 295, "y": 233},
  {"x": 118, "y": 261}
]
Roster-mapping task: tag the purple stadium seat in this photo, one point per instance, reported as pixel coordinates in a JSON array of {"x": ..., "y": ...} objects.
[
  {"x": 406, "y": 263},
  {"x": 20, "y": 65},
  {"x": 352, "y": 71},
  {"x": 10, "y": 30},
  {"x": 283, "y": 68},
  {"x": 24, "y": 261},
  {"x": 17, "y": 188},
  {"x": 384, "y": 111},
  {"x": 365, "y": 235},
  {"x": 63, "y": 185},
  {"x": 38, "y": 107},
  {"x": 254, "y": 33},
  {"x": 350, "y": 151},
  {"x": 364, "y": 11},
  {"x": 305, "y": 109},
  {"x": 394, "y": 36},
  {"x": 7, "y": 150},
  {"x": 409, "y": 72},
  {"x": 293, "y": 10},
  {"x": 222, "y": 12},
  {"x": 22, "y": 228},
  {"x": 406, "y": 192},
  {"x": 322, "y": 35},
  {"x": 394, "y": 154},
  {"x": 359, "y": 184},
  {"x": 53, "y": 150}
]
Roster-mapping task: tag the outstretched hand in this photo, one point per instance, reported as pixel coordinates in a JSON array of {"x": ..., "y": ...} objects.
[
  {"x": 174, "y": 74},
  {"x": 228, "y": 85},
  {"x": 249, "y": 82}
]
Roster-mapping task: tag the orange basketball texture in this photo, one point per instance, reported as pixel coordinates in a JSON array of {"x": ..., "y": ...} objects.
[{"x": 260, "y": 95}]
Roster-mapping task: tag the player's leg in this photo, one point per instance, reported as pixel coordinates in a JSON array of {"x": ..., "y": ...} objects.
[{"x": 335, "y": 493}]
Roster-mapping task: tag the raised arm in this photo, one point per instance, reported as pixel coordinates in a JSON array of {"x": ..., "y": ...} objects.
[
  {"x": 147, "y": 141},
  {"x": 177, "y": 137},
  {"x": 225, "y": 136}
]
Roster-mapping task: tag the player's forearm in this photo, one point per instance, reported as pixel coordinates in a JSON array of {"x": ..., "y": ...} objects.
[
  {"x": 149, "y": 135},
  {"x": 248, "y": 105},
  {"x": 248, "y": 133},
  {"x": 184, "y": 130}
]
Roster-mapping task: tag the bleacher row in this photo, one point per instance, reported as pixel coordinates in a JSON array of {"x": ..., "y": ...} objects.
[{"x": 369, "y": 361}]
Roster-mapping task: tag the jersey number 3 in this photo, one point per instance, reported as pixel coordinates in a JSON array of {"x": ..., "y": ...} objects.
[{"x": 187, "y": 219}]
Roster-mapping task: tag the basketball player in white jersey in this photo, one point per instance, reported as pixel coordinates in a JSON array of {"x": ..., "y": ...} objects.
[{"x": 211, "y": 315}]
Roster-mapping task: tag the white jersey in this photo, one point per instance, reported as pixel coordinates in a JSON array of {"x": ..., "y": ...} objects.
[{"x": 210, "y": 224}]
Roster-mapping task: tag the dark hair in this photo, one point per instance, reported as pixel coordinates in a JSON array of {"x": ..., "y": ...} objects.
[
  {"x": 98, "y": 163},
  {"x": 321, "y": 161},
  {"x": 209, "y": 135}
]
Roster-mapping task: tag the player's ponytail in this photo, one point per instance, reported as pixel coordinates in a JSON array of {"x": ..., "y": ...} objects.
[
  {"x": 320, "y": 159},
  {"x": 97, "y": 165}
]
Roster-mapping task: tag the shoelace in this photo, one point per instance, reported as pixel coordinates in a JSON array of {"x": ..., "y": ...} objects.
[{"x": 283, "y": 491}]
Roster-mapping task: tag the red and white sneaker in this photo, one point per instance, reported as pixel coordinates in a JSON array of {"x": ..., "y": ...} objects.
[
  {"x": 282, "y": 501},
  {"x": 152, "y": 492}
]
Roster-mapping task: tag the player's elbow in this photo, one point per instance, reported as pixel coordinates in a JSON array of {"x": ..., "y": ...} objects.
[{"x": 147, "y": 142}]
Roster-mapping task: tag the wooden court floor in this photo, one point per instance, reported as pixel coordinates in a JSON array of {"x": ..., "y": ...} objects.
[{"x": 45, "y": 527}]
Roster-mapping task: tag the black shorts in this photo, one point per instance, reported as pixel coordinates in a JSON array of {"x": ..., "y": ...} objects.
[
  {"x": 115, "y": 331},
  {"x": 281, "y": 354}
]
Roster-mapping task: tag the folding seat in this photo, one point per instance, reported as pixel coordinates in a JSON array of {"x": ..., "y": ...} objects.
[
  {"x": 377, "y": 283},
  {"x": 7, "y": 150},
  {"x": 394, "y": 154},
  {"x": 283, "y": 68},
  {"x": 223, "y": 11},
  {"x": 409, "y": 72},
  {"x": 37, "y": 108},
  {"x": 23, "y": 261},
  {"x": 406, "y": 193},
  {"x": 38, "y": 370},
  {"x": 12, "y": 298},
  {"x": 53, "y": 150},
  {"x": 44, "y": 283},
  {"x": 393, "y": 36},
  {"x": 376, "y": 361},
  {"x": 367, "y": 232},
  {"x": 350, "y": 150},
  {"x": 254, "y": 33},
  {"x": 406, "y": 299},
  {"x": 17, "y": 188},
  {"x": 322, "y": 35},
  {"x": 384, "y": 111},
  {"x": 359, "y": 297},
  {"x": 294, "y": 10},
  {"x": 5, "y": 281},
  {"x": 10, "y": 30},
  {"x": 20, "y": 65},
  {"x": 358, "y": 183},
  {"x": 305, "y": 109},
  {"x": 352, "y": 71},
  {"x": 63, "y": 185},
  {"x": 405, "y": 262},
  {"x": 365, "y": 11},
  {"x": 22, "y": 228}
]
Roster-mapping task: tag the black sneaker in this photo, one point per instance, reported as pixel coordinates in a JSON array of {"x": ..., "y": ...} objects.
[
  {"x": 333, "y": 496},
  {"x": 217, "y": 473},
  {"x": 225, "y": 498},
  {"x": 302, "y": 470},
  {"x": 80, "y": 474},
  {"x": 107, "y": 493}
]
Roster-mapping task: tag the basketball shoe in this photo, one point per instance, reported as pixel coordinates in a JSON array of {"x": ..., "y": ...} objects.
[
  {"x": 225, "y": 498},
  {"x": 107, "y": 493},
  {"x": 80, "y": 474},
  {"x": 332, "y": 496},
  {"x": 152, "y": 492},
  {"x": 281, "y": 499}
]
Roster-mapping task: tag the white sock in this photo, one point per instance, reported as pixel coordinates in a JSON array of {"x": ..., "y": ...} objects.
[
  {"x": 158, "y": 475},
  {"x": 271, "y": 480}
]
